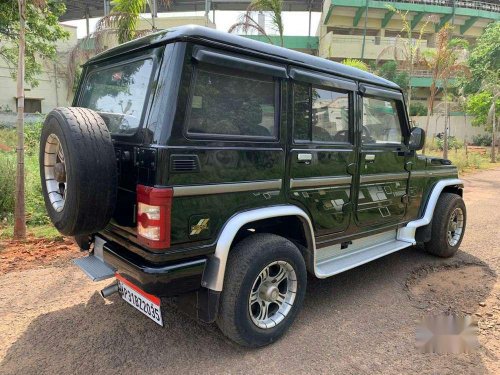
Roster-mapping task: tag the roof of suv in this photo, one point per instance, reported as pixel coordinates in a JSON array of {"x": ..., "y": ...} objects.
[{"x": 207, "y": 35}]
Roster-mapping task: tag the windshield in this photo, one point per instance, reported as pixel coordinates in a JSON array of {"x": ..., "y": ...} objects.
[{"x": 119, "y": 94}]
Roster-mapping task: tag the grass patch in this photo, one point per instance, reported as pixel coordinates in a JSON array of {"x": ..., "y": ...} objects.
[
  {"x": 8, "y": 137},
  {"x": 47, "y": 231},
  {"x": 38, "y": 223},
  {"x": 465, "y": 162}
]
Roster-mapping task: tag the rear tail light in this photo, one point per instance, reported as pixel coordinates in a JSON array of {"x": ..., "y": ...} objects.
[{"x": 154, "y": 207}]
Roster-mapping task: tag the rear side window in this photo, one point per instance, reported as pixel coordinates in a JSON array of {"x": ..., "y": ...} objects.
[
  {"x": 380, "y": 121},
  {"x": 320, "y": 114},
  {"x": 119, "y": 94},
  {"x": 231, "y": 103}
]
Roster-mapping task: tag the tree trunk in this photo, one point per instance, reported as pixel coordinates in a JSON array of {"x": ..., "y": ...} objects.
[
  {"x": 430, "y": 109},
  {"x": 446, "y": 120},
  {"x": 492, "y": 118},
  {"x": 19, "y": 214},
  {"x": 493, "y": 134}
]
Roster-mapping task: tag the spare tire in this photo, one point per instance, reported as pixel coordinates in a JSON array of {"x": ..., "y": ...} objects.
[{"x": 78, "y": 170}]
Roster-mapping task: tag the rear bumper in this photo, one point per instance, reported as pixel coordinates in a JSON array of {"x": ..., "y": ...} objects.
[{"x": 165, "y": 280}]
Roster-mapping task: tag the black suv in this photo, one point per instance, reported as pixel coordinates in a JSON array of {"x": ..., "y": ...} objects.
[{"x": 220, "y": 170}]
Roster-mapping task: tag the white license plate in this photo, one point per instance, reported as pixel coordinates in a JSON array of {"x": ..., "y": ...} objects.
[{"x": 146, "y": 303}]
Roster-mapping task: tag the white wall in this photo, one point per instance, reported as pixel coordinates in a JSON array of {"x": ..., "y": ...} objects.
[{"x": 460, "y": 126}]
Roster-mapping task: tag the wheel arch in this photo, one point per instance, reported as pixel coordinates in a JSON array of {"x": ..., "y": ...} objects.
[
  {"x": 452, "y": 185},
  {"x": 213, "y": 275}
]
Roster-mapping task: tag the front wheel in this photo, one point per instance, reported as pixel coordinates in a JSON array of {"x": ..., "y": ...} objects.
[
  {"x": 448, "y": 226},
  {"x": 264, "y": 288}
]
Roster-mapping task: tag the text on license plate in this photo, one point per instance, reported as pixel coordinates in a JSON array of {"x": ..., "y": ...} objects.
[{"x": 148, "y": 305}]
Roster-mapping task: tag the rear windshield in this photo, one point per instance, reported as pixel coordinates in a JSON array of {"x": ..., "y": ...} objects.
[{"x": 119, "y": 94}]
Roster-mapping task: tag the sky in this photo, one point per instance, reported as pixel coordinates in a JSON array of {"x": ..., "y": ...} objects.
[{"x": 296, "y": 23}]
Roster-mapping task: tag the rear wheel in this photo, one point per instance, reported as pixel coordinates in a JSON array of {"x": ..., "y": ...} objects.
[
  {"x": 264, "y": 289},
  {"x": 448, "y": 226}
]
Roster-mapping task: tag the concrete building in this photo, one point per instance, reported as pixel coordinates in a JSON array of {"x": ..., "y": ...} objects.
[
  {"x": 52, "y": 89},
  {"x": 369, "y": 29},
  {"x": 361, "y": 29}
]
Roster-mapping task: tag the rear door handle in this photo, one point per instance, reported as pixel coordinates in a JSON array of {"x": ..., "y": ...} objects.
[{"x": 304, "y": 157}]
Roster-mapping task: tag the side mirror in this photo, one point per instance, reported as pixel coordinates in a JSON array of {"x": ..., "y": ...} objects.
[{"x": 417, "y": 139}]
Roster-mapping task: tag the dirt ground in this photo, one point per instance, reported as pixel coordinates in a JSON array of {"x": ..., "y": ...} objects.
[
  {"x": 363, "y": 321},
  {"x": 36, "y": 253}
]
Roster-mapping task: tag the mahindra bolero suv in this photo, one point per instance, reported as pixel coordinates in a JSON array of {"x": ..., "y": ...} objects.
[{"x": 220, "y": 171}]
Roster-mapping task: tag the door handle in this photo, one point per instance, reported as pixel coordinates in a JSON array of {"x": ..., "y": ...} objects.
[
  {"x": 370, "y": 158},
  {"x": 304, "y": 158}
]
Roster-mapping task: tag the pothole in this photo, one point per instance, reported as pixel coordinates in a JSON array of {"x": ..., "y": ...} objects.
[{"x": 456, "y": 288}]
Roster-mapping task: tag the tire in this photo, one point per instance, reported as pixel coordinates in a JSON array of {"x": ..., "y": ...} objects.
[
  {"x": 243, "y": 269},
  {"x": 80, "y": 195},
  {"x": 439, "y": 244}
]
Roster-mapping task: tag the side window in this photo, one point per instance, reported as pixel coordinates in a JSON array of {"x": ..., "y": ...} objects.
[
  {"x": 232, "y": 103},
  {"x": 380, "y": 122},
  {"x": 321, "y": 115}
]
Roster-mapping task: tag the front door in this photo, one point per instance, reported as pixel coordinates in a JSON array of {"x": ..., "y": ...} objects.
[
  {"x": 383, "y": 175},
  {"x": 322, "y": 156}
]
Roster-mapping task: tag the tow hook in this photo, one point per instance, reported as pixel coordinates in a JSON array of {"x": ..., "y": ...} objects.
[{"x": 109, "y": 290}]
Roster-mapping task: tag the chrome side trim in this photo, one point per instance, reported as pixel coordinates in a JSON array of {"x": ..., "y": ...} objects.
[
  {"x": 383, "y": 177},
  {"x": 432, "y": 173},
  {"x": 407, "y": 233},
  {"x": 322, "y": 181},
  {"x": 184, "y": 191},
  {"x": 419, "y": 173},
  {"x": 213, "y": 275}
]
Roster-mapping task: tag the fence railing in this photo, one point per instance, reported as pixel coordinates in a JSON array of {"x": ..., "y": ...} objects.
[
  {"x": 479, "y": 5},
  {"x": 376, "y": 40}
]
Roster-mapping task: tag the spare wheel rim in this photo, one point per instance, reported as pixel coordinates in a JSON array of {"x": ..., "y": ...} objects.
[{"x": 55, "y": 172}]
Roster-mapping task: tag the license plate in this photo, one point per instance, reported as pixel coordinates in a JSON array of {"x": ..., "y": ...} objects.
[{"x": 146, "y": 303}]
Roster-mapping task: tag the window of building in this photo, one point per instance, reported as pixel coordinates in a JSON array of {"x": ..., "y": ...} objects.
[
  {"x": 321, "y": 115},
  {"x": 232, "y": 103},
  {"x": 380, "y": 122},
  {"x": 32, "y": 105}
]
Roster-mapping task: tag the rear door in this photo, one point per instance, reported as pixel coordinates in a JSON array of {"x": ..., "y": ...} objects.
[
  {"x": 121, "y": 92},
  {"x": 322, "y": 155},
  {"x": 383, "y": 177}
]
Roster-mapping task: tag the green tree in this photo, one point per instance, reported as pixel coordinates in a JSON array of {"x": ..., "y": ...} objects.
[
  {"x": 355, "y": 63},
  {"x": 445, "y": 62},
  {"x": 484, "y": 59},
  {"x": 389, "y": 70},
  {"x": 484, "y": 64},
  {"x": 479, "y": 105},
  {"x": 247, "y": 22},
  {"x": 42, "y": 33}
]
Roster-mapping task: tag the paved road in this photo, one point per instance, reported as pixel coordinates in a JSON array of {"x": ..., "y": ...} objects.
[{"x": 362, "y": 321}]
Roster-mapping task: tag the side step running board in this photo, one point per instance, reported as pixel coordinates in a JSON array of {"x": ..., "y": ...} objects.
[
  {"x": 94, "y": 268},
  {"x": 340, "y": 261}
]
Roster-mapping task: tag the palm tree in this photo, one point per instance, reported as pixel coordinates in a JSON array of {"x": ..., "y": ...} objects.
[
  {"x": 406, "y": 51},
  {"x": 124, "y": 17},
  {"x": 445, "y": 63},
  {"x": 121, "y": 23},
  {"x": 247, "y": 22},
  {"x": 355, "y": 63}
]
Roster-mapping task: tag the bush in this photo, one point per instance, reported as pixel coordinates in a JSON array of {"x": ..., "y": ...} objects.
[
  {"x": 32, "y": 134},
  {"x": 418, "y": 109},
  {"x": 35, "y": 206},
  {"x": 482, "y": 140},
  {"x": 7, "y": 184},
  {"x": 453, "y": 143}
]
